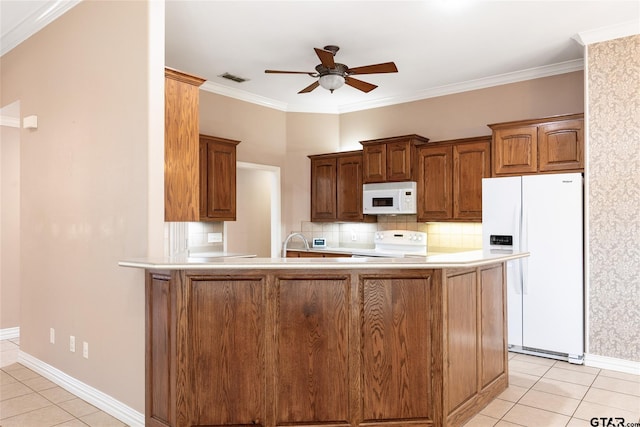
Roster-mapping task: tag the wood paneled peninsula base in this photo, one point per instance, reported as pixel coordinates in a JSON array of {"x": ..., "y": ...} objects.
[{"x": 323, "y": 342}]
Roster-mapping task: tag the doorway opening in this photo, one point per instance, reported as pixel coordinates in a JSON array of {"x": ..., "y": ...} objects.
[{"x": 256, "y": 229}]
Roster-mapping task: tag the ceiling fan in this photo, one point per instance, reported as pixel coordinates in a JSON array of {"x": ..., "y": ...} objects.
[{"x": 332, "y": 75}]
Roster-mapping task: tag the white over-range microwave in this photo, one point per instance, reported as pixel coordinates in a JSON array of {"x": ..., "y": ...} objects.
[{"x": 389, "y": 198}]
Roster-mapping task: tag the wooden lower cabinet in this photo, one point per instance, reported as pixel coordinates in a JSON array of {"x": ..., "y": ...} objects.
[{"x": 327, "y": 347}]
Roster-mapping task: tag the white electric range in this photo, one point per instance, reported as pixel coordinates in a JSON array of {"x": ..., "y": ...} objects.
[{"x": 396, "y": 244}]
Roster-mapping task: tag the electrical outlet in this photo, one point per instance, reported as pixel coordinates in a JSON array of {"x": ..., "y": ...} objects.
[
  {"x": 52, "y": 336},
  {"x": 72, "y": 344},
  {"x": 214, "y": 237},
  {"x": 85, "y": 349}
]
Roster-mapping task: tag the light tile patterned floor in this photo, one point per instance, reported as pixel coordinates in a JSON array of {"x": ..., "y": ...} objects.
[
  {"x": 542, "y": 393},
  {"x": 30, "y": 400}
]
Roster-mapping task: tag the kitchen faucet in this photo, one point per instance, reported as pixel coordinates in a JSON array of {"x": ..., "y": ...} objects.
[{"x": 289, "y": 237}]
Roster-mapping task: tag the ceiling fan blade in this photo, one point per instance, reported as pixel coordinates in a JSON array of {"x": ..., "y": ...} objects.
[
  {"x": 309, "y": 88},
  {"x": 326, "y": 57},
  {"x": 387, "y": 67},
  {"x": 359, "y": 84},
  {"x": 288, "y": 72}
]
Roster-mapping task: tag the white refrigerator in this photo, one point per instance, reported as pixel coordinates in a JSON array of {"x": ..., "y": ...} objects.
[{"x": 543, "y": 215}]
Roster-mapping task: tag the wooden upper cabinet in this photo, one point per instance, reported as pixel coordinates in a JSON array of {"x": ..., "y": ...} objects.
[
  {"x": 181, "y": 177},
  {"x": 349, "y": 187},
  {"x": 336, "y": 187},
  {"x": 323, "y": 189},
  {"x": 561, "y": 146},
  {"x": 552, "y": 144},
  {"x": 375, "y": 163},
  {"x": 435, "y": 182},
  {"x": 217, "y": 178},
  {"x": 449, "y": 176},
  {"x": 516, "y": 150},
  {"x": 471, "y": 163},
  {"x": 390, "y": 159}
]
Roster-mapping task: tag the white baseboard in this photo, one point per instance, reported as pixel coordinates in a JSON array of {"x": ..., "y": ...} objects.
[
  {"x": 10, "y": 333},
  {"x": 93, "y": 396},
  {"x": 611, "y": 363}
]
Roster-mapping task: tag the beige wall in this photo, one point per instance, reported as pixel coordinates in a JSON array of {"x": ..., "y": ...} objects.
[
  {"x": 466, "y": 114},
  {"x": 84, "y": 192},
  {"x": 613, "y": 175},
  {"x": 10, "y": 227}
]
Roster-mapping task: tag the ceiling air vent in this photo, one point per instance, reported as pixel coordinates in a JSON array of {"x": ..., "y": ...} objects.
[{"x": 232, "y": 77}]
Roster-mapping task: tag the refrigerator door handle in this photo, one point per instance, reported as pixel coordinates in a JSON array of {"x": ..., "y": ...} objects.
[
  {"x": 524, "y": 246},
  {"x": 517, "y": 284}
]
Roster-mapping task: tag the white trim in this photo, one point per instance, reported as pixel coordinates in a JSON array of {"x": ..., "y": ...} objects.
[
  {"x": 612, "y": 363},
  {"x": 13, "y": 122},
  {"x": 10, "y": 333},
  {"x": 94, "y": 396},
  {"x": 611, "y": 32},
  {"x": 243, "y": 95},
  {"x": 518, "y": 76},
  {"x": 35, "y": 22}
]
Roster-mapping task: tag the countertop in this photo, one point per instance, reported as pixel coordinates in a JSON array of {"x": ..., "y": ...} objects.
[{"x": 441, "y": 260}]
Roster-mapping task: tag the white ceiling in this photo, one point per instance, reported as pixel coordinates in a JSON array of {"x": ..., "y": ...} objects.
[{"x": 439, "y": 46}]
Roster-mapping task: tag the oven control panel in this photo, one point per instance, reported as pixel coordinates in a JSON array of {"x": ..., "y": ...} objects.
[{"x": 401, "y": 237}]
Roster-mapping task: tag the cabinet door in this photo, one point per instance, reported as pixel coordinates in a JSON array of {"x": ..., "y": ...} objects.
[
  {"x": 311, "y": 336},
  {"x": 218, "y": 190},
  {"x": 225, "y": 328},
  {"x": 396, "y": 355},
  {"x": 434, "y": 183},
  {"x": 349, "y": 188},
  {"x": 471, "y": 163},
  {"x": 515, "y": 150},
  {"x": 374, "y": 163},
  {"x": 461, "y": 317},
  {"x": 561, "y": 146},
  {"x": 399, "y": 161},
  {"x": 323, "y": 189}
]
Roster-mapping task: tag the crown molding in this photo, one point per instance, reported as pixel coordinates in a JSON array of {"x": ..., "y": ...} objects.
[
  {"x": 242, "y": 95},
  {"x": 33, "y": 23},
  {"x": 603, "y": 34},
  {"x": 518, "y": 76}
]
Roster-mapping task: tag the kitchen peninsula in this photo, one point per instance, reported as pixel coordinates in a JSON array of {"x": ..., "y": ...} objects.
[{"x": 324, "y": 341}]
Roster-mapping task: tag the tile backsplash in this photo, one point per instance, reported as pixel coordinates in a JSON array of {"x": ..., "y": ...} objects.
[
  {"x": 182, "y": 236},
  {"x": 440, "y": 235}
]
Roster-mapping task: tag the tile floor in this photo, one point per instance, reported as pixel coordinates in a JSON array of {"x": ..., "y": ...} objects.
[
  {"x": 542, "y": 393},
  {"x": 30, "y": 400}
]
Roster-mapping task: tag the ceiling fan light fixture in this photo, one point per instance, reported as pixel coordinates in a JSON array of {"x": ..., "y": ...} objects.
[{"x": 331, "y": 82}]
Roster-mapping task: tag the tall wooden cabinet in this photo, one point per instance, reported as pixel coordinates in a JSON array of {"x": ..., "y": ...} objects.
[
  {"x": 449, "y": 176},
  {"x": 336, "y": 187},
  {"x": 547, "y": 145},
  {"x": 217, "y": 178},
  {"x": 390, "y": 159},
  {"x": 181, "y": 175}
]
